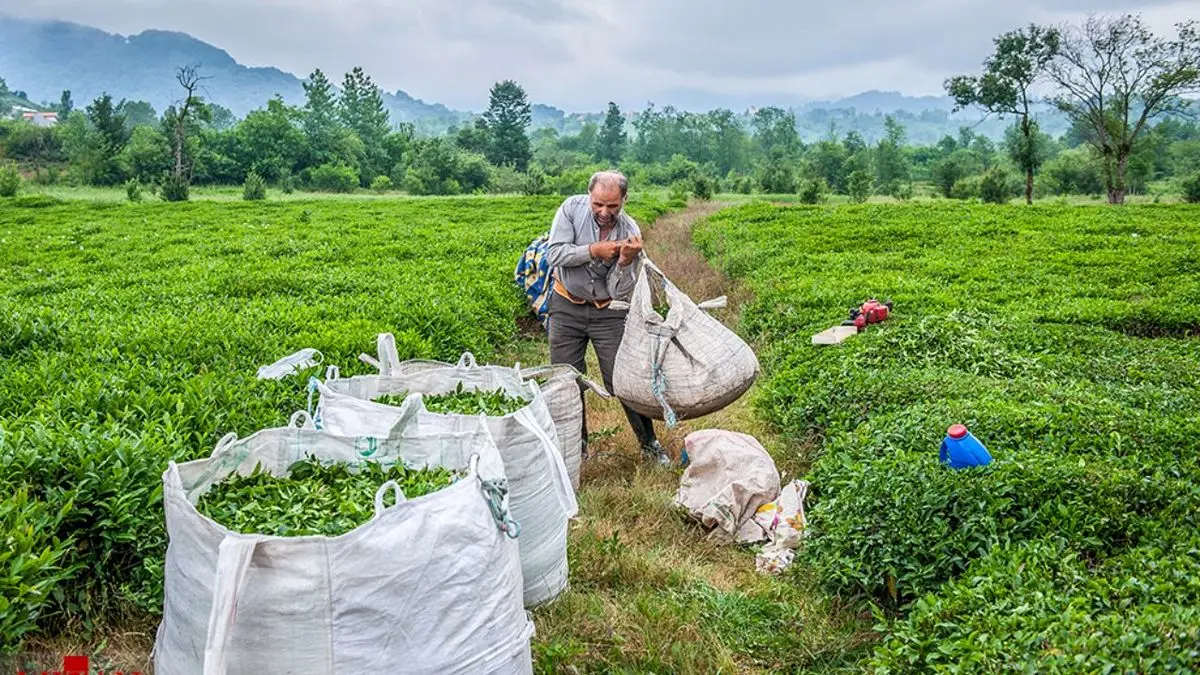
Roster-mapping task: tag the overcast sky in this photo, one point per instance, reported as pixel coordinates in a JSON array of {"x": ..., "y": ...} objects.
[{"x": 579, "y": 54}]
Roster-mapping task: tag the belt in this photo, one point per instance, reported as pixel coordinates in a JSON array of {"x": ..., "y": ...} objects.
[{"x": 562, "y": 290}]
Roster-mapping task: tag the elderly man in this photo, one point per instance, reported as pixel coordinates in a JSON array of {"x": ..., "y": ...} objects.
[{"x": 595, "y": 250}]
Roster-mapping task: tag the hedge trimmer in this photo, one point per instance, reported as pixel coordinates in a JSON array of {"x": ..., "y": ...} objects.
[{"x": 870, "y": 312}]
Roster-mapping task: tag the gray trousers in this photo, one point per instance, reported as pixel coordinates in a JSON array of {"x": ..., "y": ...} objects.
[{"x": 571, "y": 327}]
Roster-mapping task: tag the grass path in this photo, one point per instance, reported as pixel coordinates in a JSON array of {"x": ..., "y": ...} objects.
[{"x": 649, "y": 591}]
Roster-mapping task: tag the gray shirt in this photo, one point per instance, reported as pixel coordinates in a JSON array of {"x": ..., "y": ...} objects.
[{"x": 589, "y": 278}]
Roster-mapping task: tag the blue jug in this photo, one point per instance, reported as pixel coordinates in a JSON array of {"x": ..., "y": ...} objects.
[{"x": 961, "y": 450}]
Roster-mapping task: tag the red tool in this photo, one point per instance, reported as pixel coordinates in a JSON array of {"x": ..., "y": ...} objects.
[{"x": 872, "y": 311}]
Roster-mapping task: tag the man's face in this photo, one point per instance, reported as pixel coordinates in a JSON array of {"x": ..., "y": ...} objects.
[{"x": 606, "y": 204}]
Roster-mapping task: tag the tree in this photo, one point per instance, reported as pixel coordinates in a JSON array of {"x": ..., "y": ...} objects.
[
  {"x": 270, "y": 142},
  {"x": 180, "y": 122},
  {"x": 1115, "y": 76},
  {"x": 891, "y": 166},
  {"x": 362, "y": 110},
  {"x": 220, "y": 118},
  {"x": 65, "y": 104},
  {"x": 1021, "y": 59},
  {"x": 111, "y": 136},
  {"x": 320, "y": 117},
  {"x": 775, "y": 132},
  {"x": 507, "y": 117},
  {"x": 612, "y": 138},
  {"x": 1028, "y": 148},
  {"x": 137, "y": 113}
]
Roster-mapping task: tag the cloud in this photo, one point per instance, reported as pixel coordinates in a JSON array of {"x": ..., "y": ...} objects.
[{"x": 579, "y": 54}]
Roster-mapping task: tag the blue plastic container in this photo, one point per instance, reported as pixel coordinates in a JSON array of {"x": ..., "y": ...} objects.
[{"x": 961, "y": 450}]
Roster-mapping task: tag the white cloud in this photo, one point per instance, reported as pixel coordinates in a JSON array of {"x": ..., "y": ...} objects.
[{"x": 579, "y": 54}]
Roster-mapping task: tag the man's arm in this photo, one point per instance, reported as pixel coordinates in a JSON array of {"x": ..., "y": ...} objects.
[{"x": 562, "y": 251}]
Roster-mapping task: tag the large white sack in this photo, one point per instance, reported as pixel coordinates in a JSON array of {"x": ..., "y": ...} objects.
[
  {"x": 429, "y": 585},
  {"x": 681, "y": 367},
  {"x": 561, "y": 389},
  {"x": 728, "y": 478},
  {"x": 564, "y": 400},
  {"x": 540, "y": 490}
]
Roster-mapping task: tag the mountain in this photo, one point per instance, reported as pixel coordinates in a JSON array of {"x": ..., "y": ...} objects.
[
  {"x": 884, "y": 101},
  {"x": 43, "y": 58}
]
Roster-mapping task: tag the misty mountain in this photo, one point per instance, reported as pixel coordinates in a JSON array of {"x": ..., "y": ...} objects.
[{"x": 42, "y": 58}]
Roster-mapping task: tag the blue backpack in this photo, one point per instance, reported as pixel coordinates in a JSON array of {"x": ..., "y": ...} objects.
[{"x": 535, "y": 278}]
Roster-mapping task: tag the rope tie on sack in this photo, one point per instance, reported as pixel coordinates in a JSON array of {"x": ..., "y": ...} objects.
[
  {"x": 658, "y": 377},
  {"x": 494, "y": 492},
  {"x": 658, "y": 381}
]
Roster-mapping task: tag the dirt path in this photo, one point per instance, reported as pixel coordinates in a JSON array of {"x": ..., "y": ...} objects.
[{"x": 632, "y": 550}]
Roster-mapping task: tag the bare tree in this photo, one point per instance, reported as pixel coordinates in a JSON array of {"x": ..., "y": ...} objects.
[
  {"x": 1115, "y": 76},
  {"x": 190, "y": 107}
]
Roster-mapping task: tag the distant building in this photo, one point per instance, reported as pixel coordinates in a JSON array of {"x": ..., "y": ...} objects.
[{"x": 41, "y": 119}]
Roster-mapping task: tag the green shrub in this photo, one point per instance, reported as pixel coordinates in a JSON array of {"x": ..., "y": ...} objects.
[
  {"x": 10, "y": 179},
  {"x": 812, "y": 191},
  {"x": 108, "y": 488},
  {"x": 31, "y": 563},
  {"x": 334, "y": 177},
  {"x": 133, "y": 190},
  {"x": 678, "y": 196},
  {"x": 1042, "y": 607},
  {"x": 1191, "y": 189},
  {"x": 702, "y": 187},
  {"x": 996, "y": 186},
  {"x": 287, "y": 182},
  {"x": 966, "y": 188},
  {"x": 858, "y": 185},
  {"x": 255, "y": 188},
  {"x": 174, "y": 189},
  {"x": 381, "y": 183}
]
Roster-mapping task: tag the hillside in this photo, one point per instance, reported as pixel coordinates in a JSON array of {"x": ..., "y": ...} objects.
[{"x": 45, "y": 57}]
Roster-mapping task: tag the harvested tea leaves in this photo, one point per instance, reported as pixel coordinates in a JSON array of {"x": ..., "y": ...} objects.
[
  {"x": 495, "y": 403},
  {"x": 314, "y": 498}
]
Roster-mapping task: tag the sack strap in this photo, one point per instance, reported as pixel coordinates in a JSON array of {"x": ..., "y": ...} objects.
[
  {"x": 549, "y": 371},
  {"x": 562, "y": 482},
  {"x": 233, "y": 561}
]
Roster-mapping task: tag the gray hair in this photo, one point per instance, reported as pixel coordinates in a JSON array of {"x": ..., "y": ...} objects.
[{"x": 609, "y": 178}]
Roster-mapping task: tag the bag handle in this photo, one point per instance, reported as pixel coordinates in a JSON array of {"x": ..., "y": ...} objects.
[
  {"x": 580, "y": 377},
  {"x": 396, "y": 492},
  {"x": 233, "y": 562},
  {"x": 467, "y": 360},
  {"x": 562, "y": 483}
]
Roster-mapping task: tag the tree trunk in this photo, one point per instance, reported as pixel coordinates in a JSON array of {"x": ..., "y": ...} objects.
[
  {"x": 1029, "y": 185},
  {"x": 1116, "y": 187}
]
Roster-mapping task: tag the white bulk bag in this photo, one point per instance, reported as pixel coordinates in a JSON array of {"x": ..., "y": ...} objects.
[
  {"x": 681, "y": 367},
  {"x": 561, "y": 389},
  {"x": 563, "y": 398},
  {"x": 540, "y": 490},
  {"x": 429, "y": 585}
]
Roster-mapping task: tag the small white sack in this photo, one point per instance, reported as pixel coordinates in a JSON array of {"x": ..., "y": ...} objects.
[
  {"x": 729, "y": 477},
  {"x": 429, "y": 585},
  {"x": 290, "y": 364},
  {"x": 540, "y": 489},
  {"x": 684, "y": 366}
]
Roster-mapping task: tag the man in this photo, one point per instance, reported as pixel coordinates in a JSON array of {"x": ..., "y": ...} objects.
[{"x": 595, "y": 250}]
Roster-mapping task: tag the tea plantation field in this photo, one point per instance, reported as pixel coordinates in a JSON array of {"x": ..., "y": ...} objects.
[
  {"x": 130, "y": 334},
  {"x": 1065, "y": 338}
]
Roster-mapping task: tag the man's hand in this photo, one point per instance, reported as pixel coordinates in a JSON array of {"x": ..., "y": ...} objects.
[
  {"x": 630, "y": 249},
  {"x": 605, "y": 250}
]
